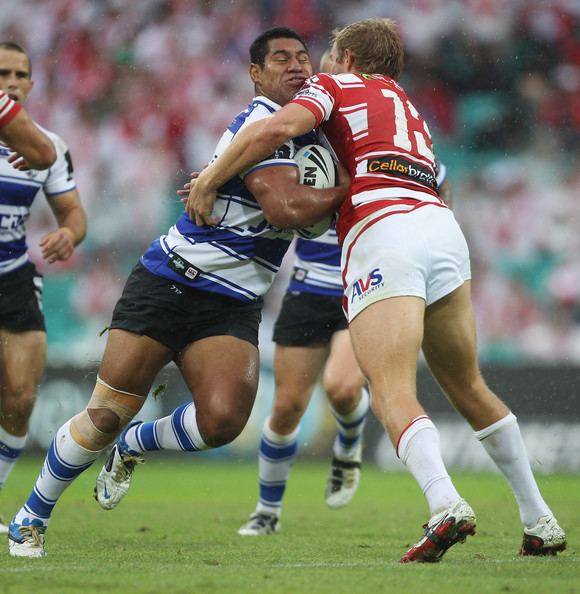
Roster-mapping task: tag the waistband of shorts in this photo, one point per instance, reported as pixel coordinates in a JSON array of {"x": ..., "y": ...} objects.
[{"x": 26, "y": 270}]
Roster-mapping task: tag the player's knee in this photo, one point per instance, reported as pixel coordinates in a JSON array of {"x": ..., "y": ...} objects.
[
  {"x": 216, "y": 435},
  {"x": 287, "y": 411},
  {"x": 104, "y": 420},
  {"x": 90, "y": 434},
  {"x": 221, "y": 425},
  {"x": 343, "y": 396},
  {"x": 107, "y": 413}
]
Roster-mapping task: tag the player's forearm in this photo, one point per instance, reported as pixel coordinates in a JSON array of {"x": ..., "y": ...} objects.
[
  {"x": 74, "y": 222},
  {"x": 305, "y": 206},
  {"x": 290, "y": 205},
  {"x": 251, "y": 145},
  {"x": 24, "y": 137}
]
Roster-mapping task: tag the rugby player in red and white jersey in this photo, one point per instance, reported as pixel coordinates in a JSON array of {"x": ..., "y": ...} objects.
[
  {"x": 21, "y": 134},
  {"x": 406, "y": 274}
]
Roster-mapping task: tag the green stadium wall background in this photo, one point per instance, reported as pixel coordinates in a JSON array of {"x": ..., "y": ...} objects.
[{"x": 546, "y": 401}]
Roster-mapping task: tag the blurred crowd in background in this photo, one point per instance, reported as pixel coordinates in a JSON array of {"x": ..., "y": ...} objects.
[{"x": 141, "y": 90}]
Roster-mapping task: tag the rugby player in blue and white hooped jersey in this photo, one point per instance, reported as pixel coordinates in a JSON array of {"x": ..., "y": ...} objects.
[
  {"x": 22, "y": 330},
  {"x": 195, "y": 298}
]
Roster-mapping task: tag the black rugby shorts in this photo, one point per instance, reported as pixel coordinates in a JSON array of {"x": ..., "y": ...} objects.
[
  {"x": 176, "y": 315},
  {"x": 307, "y": 319},
  {"x": 21, "y": 300}
]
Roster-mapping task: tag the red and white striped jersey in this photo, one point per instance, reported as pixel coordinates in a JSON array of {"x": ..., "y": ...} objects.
[
  {"x": 379, "y": 136},
  {"x": 8, "y": 109}
]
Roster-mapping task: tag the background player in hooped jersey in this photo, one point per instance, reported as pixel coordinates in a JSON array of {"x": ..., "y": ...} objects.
[
  {"x": 406, "y": 272},
  {"x": 311, "y": 336},
  {"x": 195, "y": 298},
  {"x": 22, "y": 330}
]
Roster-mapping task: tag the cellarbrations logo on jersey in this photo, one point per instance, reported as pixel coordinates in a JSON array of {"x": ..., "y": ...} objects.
[
  {"x": 394, "y": 165},
  {"x": 366, "y": 285}
]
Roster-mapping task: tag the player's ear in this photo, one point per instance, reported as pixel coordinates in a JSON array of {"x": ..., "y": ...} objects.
[
  {"x": 255, "y": 72},
  {"x": 348, "y": 59}
]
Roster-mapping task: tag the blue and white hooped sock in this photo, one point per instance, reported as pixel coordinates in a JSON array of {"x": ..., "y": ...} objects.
[
  {"x": 178, "y": 431},
  {"x": 350, "y": 427},
  {"x": 65, "y": 460},
  {"x": 276, "y": 456}
]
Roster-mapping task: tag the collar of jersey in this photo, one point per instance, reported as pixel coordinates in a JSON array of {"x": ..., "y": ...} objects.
[{"x": 271, "y": 105}]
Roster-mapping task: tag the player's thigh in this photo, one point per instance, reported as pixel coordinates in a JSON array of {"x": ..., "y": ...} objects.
[
  {"x": 450, "y": 342},
  {"x": 131, "y": 361},
  {"x": 22, "y": 360},
  {"x": 386, "y": 338},
  {"x": 342, "y": 371},
  {"x": 222, "y": 373},
  {"x": 296, "y": 372}
]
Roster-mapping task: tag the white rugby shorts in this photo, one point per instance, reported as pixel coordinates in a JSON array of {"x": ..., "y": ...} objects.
[{"x": 417, "y": 252}]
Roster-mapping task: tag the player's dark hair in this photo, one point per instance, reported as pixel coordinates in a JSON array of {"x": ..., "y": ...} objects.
[
  {"x": 261, "y": 45},
  {"x": 16, "y": 47}
]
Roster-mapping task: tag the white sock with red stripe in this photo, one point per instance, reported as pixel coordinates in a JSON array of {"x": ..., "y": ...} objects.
[
  {"x": 418, "y": 448},
  {"x": 503, "y": 442}
]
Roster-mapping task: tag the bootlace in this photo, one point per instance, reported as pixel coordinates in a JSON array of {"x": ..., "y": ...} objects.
[
  {"x": 31, "y": 535},
  {"x": 125, "y": 469}
]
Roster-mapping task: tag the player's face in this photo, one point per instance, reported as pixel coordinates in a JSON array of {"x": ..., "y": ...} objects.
[
  {"x": 335, "y": 67},
  {"x": 286, "y": 67},
  {"x": 328, "y": 61},
  {"x": 15, "y": 75}
]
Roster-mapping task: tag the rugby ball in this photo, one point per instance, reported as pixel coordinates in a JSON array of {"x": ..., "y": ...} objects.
[{"x": 316, "y": 168}]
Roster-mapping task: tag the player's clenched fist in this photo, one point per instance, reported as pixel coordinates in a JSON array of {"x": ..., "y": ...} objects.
[{"x": 57, "y": 245}]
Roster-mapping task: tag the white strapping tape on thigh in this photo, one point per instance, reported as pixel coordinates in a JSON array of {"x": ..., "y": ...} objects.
[{"x": 104, "y": 383}]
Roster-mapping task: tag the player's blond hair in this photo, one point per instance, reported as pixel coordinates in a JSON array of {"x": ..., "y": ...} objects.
[{"x": 375, "y": 44}]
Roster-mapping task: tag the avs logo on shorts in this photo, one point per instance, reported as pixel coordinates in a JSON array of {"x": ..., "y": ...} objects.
[{"x": 363, "y": 286}]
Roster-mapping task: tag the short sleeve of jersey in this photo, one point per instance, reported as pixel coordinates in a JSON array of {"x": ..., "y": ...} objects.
[
  {"x": 259, "y": 109},
  {"x": 318, "y": 95},
  {"x": 281, "y": 156},
  {"x": 60, "y": 176},
  {"x": 8, "y": 109}
]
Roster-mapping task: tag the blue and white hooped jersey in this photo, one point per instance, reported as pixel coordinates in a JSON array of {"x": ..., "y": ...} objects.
[
  {"x": 242, "y": 254},
  {"x": 317, "y": 266},
  {"x": 317, "y": 261},
  {"x": 18, "y": 189}
]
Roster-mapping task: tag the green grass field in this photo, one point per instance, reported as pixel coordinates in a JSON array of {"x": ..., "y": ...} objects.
[{"x": 176, "y": 533}]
